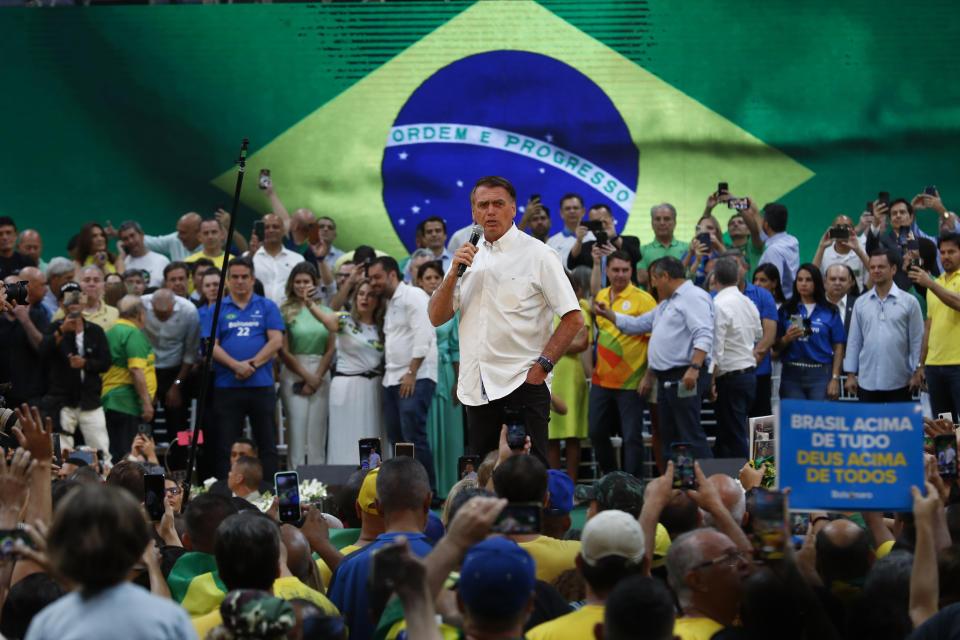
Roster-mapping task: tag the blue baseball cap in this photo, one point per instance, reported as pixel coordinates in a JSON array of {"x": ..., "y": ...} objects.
[
  {"x": 497, "y": 577},
  {"x": 434, "y": 530},
  {"x": 560, "y": 487}
]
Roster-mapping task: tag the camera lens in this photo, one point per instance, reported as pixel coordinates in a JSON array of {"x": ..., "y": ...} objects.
[{"x": 16, "y": 292}]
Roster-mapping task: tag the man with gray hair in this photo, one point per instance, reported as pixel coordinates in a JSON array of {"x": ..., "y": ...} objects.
[
  {"x": 681, "y": 339},
  {"x": 173, "y": 328},
  {"x": 59, "y": 271},
  {"x": 129, "y": 385},
  {"x": 737, "y": 329},
  {"x": 137, "y": 256},
  {"x": 663, "y": 219},
  {"x": 29, "y": 243},
  {"x": 704, "y": 569},
  {"x": 417, "y": 259},
  {"x": 95, "y": 310}
]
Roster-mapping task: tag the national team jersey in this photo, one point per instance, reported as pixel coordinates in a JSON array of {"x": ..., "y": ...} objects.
[
  {"x": 621, "y": 357},
  {"x": 242, "y": 333}
]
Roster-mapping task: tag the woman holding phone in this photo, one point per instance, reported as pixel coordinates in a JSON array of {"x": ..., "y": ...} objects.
[
  {"x": 91, "y": 248},
  {"x": 810, "y": 339},
  {"x": 307, "y": 352},
  {"x": 355, "y": 387}
]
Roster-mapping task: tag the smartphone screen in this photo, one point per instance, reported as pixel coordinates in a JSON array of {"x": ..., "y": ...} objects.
[
  {"x": 516, "y": 436},
  {"x": 313, "y": 233},
  {"x": 154, "y": 491},
  {"x": 704, "y": 239},
  {"x": 403, "y": 449},
  {"x": 684, "y": 475},
  {"x": 146, "y": 429},
  {"x": 796, "y": 320},
  {"x": 467, "y": 466},
  {"x": 722, "y": 188},
  {"x": 769, "y": 515},
  {"x": 518, "y": 517},
  {"x": 884, "y": 197},
  {"x": 945, "y": 447},
  {"x": 57, "y": 450},
  {"x": 264, "y": 178},
  {"x": 370, "y": 453},
  {"x": 258, "y": 229},
  {"x": 930, "y": 190},
  {"x": 946, "y": 415},
  {"x": 287, "y": 485},
  {"x": 9, "y": 536}
]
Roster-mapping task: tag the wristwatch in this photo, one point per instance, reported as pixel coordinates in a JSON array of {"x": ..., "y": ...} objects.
[
  {"x": 546, "y": 363},
  {"x": 694, "y": 365}
]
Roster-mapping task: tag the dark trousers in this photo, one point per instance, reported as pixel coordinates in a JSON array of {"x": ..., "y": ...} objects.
[
  {"x": 735, "y": 395},
  {"x": 176, "y": 418},
  {"x": 233, "y": 404},
  {"x": 761, "y": 400},
  {"x": 485, "y": 421},
  {"x": 122, "y": 429},
  {"x": 881, "y": 397},
  {"x": 630, "y": 407},
  {"x": 406, "y": 421},
  {"x": 943, "y": 381},
  {"x": 680, "y": 416}
]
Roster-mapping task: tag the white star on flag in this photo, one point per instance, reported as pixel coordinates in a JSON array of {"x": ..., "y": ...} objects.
[
  {"x": 402, "y": 155},
  {"x": 548, "y": 137},
  {"x": 459, "y": 183},
  {"x": 415, "y": 209}
]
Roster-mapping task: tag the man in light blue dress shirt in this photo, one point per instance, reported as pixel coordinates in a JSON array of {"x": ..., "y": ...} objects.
[
  {"x": 782, "y": 250},
  {"x": 883, "y": 344},
  {"x": 681, "y": 331}
]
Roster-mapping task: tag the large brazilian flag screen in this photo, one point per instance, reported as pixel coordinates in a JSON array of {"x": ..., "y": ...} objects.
[{"x": 383, "y": 114}]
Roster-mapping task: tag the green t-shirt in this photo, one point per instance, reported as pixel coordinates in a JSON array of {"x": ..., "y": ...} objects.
[
  {"x": 654, "y": 251},
  {"x": 307, "y": 334}
]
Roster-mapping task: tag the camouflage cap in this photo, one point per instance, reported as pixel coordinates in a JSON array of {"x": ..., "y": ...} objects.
[
  {"x": 616, "y": 490},
  {"x": 249, "y": 613}
]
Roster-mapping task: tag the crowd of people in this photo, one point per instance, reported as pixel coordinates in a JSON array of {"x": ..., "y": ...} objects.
[{"x": 443, "y": 350}]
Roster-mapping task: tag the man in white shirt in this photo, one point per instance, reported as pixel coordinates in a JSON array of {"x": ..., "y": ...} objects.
[
  {"x": 180, "y": 244},
  {"x": 738, "y": 328},
  {"x": 572, "y": 212},
  {"x": 137, "y": 256},
  {"x": 513, "y": 287},
  {"x": 434, "y": 237},
  {"x": 410, "y": 356},
  {"x": 273, "y": 262},
  {"x": 839, "y": 288},
  {"x": 846, "y": 251}
]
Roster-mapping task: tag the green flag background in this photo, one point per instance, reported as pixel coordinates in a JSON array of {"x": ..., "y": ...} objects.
[{"x": 137, "y": 112}]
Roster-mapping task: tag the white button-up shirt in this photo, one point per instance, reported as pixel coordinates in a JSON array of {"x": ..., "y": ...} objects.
[
  {"x": 507, "y": 300},
  {"x": 273, "y": 272},
  {"x": 737, "y": 329},
  {"x": 408, "y": 334}
]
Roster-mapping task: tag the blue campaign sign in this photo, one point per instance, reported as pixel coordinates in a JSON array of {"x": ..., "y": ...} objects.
[{"x": 850, "y": 456}]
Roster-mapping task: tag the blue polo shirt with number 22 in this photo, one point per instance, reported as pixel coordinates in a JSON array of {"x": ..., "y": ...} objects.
[{"x": 242, "y": 333}]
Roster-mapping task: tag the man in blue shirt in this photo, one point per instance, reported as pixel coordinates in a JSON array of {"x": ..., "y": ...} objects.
[
  {"x": 681, "y": 332},
  {"x": 883, "y": 345},
  {"x": 249, "y": 335},
  {"x": 781, "y": 250},
  {"x": 403, "y": 497}
]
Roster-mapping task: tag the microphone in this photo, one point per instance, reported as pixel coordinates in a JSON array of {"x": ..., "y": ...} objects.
[{"x": 475, "y": 232}]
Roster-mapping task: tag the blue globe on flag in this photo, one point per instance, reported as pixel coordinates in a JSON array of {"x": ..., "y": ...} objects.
[{"x": 532, "y": 119}]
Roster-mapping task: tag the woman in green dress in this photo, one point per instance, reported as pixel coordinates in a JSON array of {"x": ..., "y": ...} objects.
[{"x": 445, "y": 417}]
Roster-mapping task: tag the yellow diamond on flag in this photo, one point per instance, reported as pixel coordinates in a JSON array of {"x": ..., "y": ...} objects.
[{"x": 331, "y": 161}]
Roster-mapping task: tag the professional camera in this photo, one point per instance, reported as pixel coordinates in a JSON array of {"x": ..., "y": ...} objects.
[{"x": 17, "y": 292}]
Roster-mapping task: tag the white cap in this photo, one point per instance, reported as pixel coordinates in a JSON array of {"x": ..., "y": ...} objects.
[{"x": 612, "y": 533}]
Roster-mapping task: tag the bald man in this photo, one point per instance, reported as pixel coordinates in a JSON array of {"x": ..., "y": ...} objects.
[
  {"x": 847, "y": 251},
  {"x": 21, "y": 331},
  {"x": 172, "y": 327},
  {"x": 30, "y": 244},
  {"x": 732, "y": 496},
  {"x": 843, "y": 553},
  {"x": 273, "y": 262}
]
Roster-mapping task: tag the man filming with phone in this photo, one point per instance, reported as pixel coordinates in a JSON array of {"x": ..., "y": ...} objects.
[
  {"x": 840, "y": 245},
  {"x": 511, "y": 288},
  {"x": 600, "y": 221}
]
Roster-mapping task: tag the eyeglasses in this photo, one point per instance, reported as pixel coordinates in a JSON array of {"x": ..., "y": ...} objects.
[
  {"x": 730, "y": 558},
  {"x": 173, "y": 491},
  {"x": 328, "y": 227}
]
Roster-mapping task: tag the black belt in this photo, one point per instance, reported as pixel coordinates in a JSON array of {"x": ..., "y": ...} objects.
[
  {"x": 737, "y": 372},
  {"x": 364, "y": 374}
]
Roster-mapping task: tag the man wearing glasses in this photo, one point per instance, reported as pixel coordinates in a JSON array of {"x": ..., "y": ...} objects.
[{"x": 704, "y": 568}]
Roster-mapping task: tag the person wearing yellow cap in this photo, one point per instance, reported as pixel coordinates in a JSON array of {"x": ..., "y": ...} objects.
[{"x": 371, "y": 522}]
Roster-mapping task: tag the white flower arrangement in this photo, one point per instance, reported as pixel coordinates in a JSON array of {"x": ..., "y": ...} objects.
[{"x": 312, "y": 490}]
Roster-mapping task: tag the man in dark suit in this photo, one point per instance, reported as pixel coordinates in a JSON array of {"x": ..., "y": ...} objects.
[
  {"x": 580, "y": 253},
  {"x": 841, "y": 290}
]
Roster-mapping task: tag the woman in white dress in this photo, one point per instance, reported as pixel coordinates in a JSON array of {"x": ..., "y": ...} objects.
[{"x": 355, "y": 410}]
